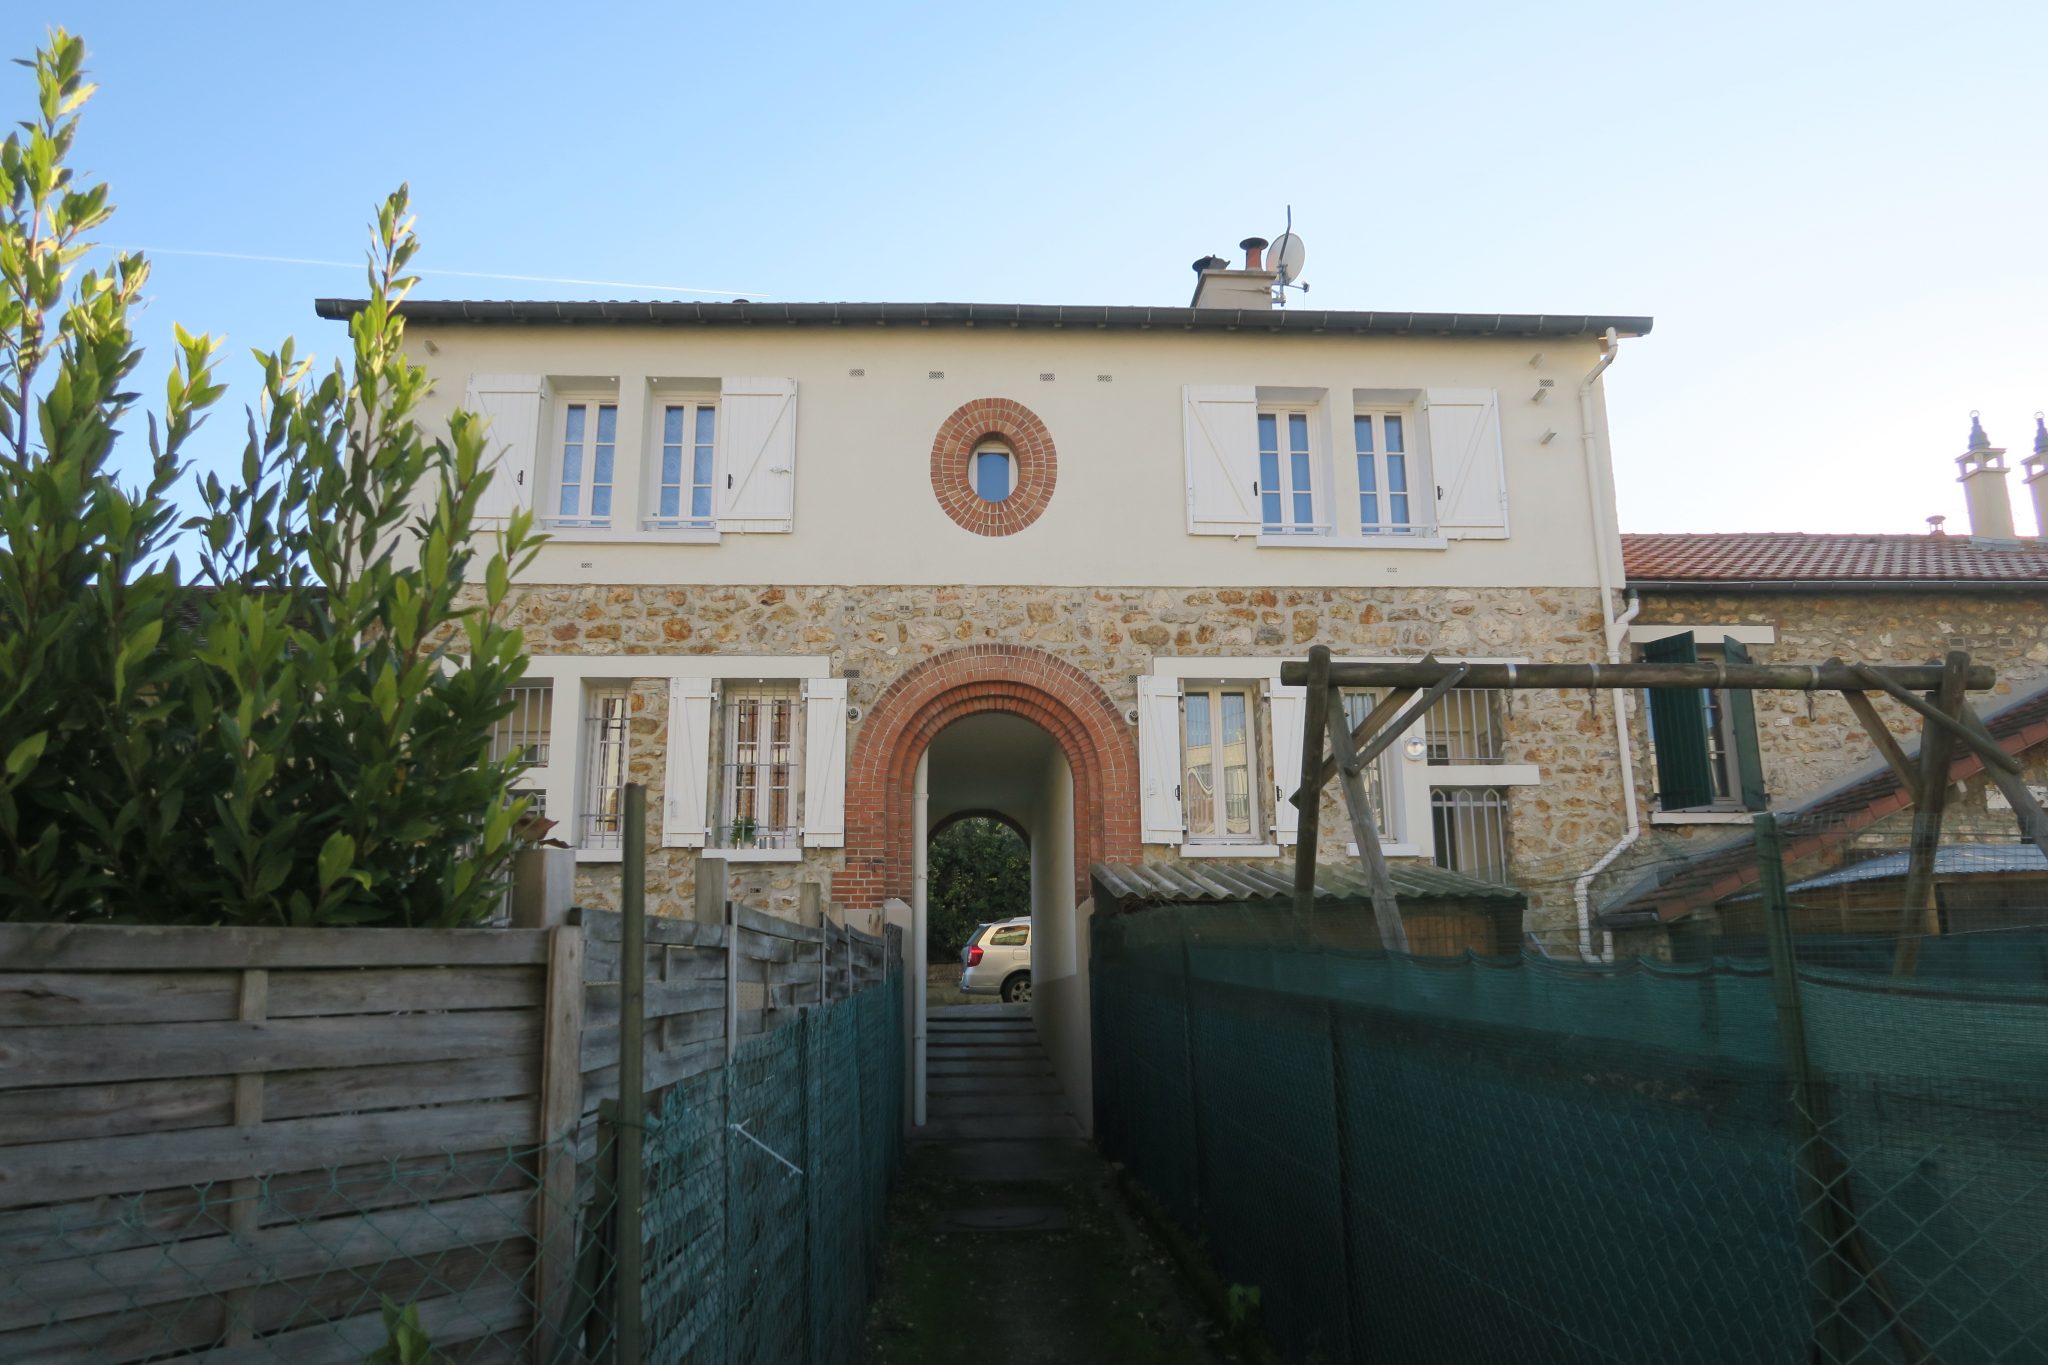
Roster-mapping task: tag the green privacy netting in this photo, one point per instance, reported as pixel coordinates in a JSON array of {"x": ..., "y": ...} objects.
[{"x": 1513, "y": 1160}]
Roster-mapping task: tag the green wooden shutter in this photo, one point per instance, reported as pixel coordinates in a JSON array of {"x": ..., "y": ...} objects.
[
  {"x": 1678, "y": 722},
  {"x": 1749, "y": 760}
]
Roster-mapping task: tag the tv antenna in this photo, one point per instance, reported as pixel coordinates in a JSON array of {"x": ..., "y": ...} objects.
[{"x": 1286, "y": 260}]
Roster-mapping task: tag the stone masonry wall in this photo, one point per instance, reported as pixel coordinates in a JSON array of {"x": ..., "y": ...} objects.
[{"x": 872, "y": 635}]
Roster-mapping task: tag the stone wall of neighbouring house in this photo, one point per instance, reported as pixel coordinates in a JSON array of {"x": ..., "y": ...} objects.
[{"x": 874, "y": 634}]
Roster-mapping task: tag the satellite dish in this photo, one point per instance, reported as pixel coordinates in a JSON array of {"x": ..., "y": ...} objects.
[{"x": 1288, "y": 255}]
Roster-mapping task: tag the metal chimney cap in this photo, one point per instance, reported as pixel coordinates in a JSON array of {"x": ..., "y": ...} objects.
[{"x": 1211, "y": 263}]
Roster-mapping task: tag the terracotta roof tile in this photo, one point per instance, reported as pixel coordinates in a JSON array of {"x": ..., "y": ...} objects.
[{"x": 1796, "y": 556}]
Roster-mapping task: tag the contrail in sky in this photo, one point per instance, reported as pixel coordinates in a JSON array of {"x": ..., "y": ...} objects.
[{"x": 465, "y": 274}]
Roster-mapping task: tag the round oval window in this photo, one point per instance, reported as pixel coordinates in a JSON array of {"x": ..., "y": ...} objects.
[{"x": 995, "y": 473}]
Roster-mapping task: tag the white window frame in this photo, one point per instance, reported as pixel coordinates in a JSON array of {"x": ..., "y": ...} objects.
[
  {"x": 726, "y": 794},
  {"x": 594, "y": 404},
  {"x": 992, "y": 447},
  {"x": 534, "y": 778},
  {"x": 1255, "y": 839},
  {"x": 686, "y": 524},
  {"x": 572, "y": 674},
  {"x": 592, "y": 753},
  {"x": 1289, "y": 528},
  {"x": 1420, "y": 498},
  {"x": 1415, "y": 776}
]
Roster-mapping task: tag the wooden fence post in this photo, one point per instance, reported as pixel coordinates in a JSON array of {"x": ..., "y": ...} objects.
[
  {"x": 252, "y": 1007},
  {"x": 561, "y": 1104},
  {"x": 811, "y": 911},
  {"x": 632, "y": 1109}
]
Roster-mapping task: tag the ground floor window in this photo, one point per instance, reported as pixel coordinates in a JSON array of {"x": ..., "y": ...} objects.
[
  {"x": 604, "y": 771},
  {"x": 1471, "y": 827},
  {"x": 1218, "y": 758},
  {"x": 759, "y": 776}
]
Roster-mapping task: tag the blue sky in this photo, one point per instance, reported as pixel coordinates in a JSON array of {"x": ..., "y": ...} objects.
[{"x": 1834, "y": 212}]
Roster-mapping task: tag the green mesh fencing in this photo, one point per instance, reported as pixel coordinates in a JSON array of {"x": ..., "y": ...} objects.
[
  {"x": 766, "y": 1183},
  {"x": 1515, "y": 1160}
]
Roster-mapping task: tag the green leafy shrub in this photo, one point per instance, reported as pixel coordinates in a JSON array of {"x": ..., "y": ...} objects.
[
  {"x": 980, "y": 871},
  {"x": 299, "y": 734}
]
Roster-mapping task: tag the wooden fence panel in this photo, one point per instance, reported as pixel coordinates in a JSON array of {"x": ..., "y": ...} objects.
[{"x": 211, "y": 1140}]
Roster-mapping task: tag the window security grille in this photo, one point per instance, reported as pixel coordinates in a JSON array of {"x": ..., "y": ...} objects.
[
  {"x": 1466, "y": 727},
  {"x": 759, "y": 774},
  {"x": 604, "y": 773},
  {"x": 523, "y": 734},
  {"x": 1471, "y": 831}
]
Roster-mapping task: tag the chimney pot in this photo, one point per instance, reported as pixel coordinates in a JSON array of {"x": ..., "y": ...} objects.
[
  {"x": 1934, "y": 526},
  {"x": 2036, "y": 466},
  {"x": 1211, "y": 263},
  {"x": 1984, "y": 490},
  {"x": 1253, "y": 247}
]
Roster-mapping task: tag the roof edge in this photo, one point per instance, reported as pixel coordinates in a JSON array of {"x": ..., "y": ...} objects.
[
  {"x": 1101, "y": 317},
  {"x": 1798, "y": 585}
]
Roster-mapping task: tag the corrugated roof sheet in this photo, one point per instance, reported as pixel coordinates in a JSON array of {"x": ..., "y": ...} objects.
[
  {"x": 1796, "y": 556},
  {"x": 1217, "y": 879},
  {"x": 1950, "y": 860}
]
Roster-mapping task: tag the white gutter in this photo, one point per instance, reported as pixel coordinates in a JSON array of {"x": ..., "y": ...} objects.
[{"x": 1604, "y": 538}]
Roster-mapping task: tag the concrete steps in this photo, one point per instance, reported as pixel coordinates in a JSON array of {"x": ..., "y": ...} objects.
[{"x": 989, "y": 1080}]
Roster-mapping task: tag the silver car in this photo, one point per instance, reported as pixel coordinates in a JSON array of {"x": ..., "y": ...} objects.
[{"x": 998, "y": 961}]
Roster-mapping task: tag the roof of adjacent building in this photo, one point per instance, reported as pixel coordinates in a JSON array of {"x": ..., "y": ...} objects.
[
  {"x": 1799, "y": 559},
  {"x": 1950, "y": 860},
  {"x": 742, "y": 312},
  {"x": 1818, "y": 825},
  {"x": 1212, "y": 880}
]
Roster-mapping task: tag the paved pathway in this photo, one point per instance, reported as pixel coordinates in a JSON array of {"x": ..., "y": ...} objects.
[{"x": 1007, "y": 1241}]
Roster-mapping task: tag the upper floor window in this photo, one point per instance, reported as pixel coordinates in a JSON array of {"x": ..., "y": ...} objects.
[
  {"x": 1218, "y": 761},
  {"x": 589, "y": 437},
  {"x": 1287, "y": 501},
  {"x": 1385, "y": 504},
  {"x": 995, "y": 472},
  {"x": 684, "y": 497},
  {"x": 1467, "y": 726}
]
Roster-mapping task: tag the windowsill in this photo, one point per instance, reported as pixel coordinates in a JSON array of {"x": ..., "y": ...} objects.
[
  {"x": 756, "y": 855},
  {"x": 620, "y": 535},
  {"x": 1394, "y": 851},
  {"x": 1320, "y": 542},
  {"x": 1702, "y": 817},
  {"x": 600, "y": 855},
  {"x": 1221, "y": 850},
  {"x": 1483, "y": 774}
]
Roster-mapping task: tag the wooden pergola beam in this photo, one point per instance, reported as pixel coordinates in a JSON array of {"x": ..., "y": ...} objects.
[{"x": 1829, "y": 677}]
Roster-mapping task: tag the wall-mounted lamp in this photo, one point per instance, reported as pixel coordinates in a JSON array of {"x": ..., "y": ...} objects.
[{"x": 1415, "y": 748}]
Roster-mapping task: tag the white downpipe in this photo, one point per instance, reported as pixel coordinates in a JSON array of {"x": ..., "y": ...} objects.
[
  {"x": 919, "y": 973},
  {"x": 1606, "y": 537}
]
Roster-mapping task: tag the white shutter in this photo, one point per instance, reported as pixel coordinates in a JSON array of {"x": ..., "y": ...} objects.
[
  {"x": 825, "y": 763},
  {"x": 688, "y": 780},
  {"x": 511, "y": 403},
  {"x": 1220, "y": 424},
  {"x": 1465, "y": 461},
  {"x": 756, "y": 455},
  {"x": 1159, "y": 759},
  {"x": 1286, "y": 705}
]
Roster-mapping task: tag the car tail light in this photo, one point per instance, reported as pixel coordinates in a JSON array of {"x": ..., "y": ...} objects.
[{"x": 974, "y": 956}]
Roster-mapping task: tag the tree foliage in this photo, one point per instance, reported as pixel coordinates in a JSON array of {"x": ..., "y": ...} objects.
[
  {"x": 978, "y": 870},
  {"x": 301, "y": 733}
]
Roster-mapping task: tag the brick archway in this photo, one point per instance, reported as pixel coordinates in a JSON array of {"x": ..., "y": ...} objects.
[{"x": 1047, "y": 691}]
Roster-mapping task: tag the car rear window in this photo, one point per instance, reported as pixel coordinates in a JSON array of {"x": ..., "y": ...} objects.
[{"x": 1014, "y": 936}]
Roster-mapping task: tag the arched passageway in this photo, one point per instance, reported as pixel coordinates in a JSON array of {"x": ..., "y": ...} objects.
[{"x": 1025, "y": 735}]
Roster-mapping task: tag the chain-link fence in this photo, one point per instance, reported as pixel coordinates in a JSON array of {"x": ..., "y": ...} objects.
[
  {"x": 1514, "y": 1160},
  {"x": 766, "y": 1182},
  {"x": 763, "y": 1200}
]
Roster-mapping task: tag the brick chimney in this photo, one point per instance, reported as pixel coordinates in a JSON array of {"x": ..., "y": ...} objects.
[
  {"x": 2036, "y": 466},
  {"x": 1219, "y": 286},
  {"x": 1983, "y": 482}
]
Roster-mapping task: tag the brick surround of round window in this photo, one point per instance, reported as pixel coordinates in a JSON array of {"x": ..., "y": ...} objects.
[{"x": 971, "y": 426}]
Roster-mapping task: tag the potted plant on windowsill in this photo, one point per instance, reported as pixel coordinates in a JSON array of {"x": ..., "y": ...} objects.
[{"x": 743, "y": 832}]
